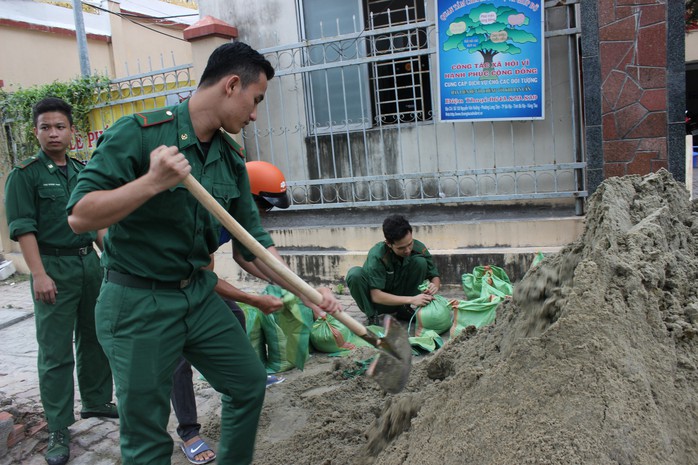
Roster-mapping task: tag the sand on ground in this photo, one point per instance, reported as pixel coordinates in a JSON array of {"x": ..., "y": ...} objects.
[{"x": 593, "y": 361}]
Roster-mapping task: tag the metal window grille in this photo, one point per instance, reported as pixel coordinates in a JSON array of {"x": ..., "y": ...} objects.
[
  {"x": 408, "y": 157},
  {"x": 401, "y": 88}
]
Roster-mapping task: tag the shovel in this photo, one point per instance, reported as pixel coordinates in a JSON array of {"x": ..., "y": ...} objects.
[{"x": 392, "y": 366}]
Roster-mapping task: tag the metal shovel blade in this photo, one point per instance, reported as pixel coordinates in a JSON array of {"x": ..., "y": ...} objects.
[{"x": 391, "y": 369}]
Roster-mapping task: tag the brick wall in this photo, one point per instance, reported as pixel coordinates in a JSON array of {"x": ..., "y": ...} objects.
[{"x": 632, "y": 53}]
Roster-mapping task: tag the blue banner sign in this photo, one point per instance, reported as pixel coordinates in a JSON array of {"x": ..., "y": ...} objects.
[{"x": 490, "y": 59}]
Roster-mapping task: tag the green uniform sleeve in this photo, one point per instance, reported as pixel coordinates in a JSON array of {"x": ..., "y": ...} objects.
[
  {"x": 105, "y": 172},
  {"x": 375, "y": 267},
  {"x": 20, "y": 204}
]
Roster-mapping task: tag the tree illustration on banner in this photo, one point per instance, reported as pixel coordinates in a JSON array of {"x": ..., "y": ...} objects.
[{"x": 489, "y": 30}]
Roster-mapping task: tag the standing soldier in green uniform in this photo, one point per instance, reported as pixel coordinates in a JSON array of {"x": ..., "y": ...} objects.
[
  {"x": 65, "y": 278},
  {"x": 390, "y": 278},
  {"x": 157, "y": 301}
]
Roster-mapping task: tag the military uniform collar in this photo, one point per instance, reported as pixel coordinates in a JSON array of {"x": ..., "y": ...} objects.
[
  {"x": 49, "y": 163},
  {"x": 186, "y": 136},
  {"x": 233, "y": 144}
]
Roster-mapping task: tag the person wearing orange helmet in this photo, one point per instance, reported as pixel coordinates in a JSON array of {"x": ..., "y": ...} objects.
[{"x": 268, "y": 188}]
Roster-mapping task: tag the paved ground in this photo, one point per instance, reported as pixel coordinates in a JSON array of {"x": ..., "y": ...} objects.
[{"x": 94, "y": 441}]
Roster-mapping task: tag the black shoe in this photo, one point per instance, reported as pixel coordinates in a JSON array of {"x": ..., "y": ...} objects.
[
  {"x": 107, "y": 410},
  {"x": 58, "y": 451}
]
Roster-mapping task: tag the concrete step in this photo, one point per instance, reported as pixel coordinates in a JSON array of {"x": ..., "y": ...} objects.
[
  {"x": 322, "y": 246},
  {"x": 329, "y": 267},
  {"x": 323, "y": 255},
  {"x": 451, "y": 235}
]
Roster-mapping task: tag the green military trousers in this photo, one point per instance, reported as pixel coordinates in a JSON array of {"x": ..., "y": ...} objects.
[
  {"x": 144, "y": 332},
  {"x": 77, "y": 281},
  {"x": 404, "y": 282}
]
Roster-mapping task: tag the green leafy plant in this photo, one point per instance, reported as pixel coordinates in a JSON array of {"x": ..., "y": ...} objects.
[
  {"x": 81, "y": 93},
  {"x": 340, "y": 289}
]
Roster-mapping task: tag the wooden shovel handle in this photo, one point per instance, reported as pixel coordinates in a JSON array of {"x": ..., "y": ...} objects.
[{"x": 259, "y": 251}]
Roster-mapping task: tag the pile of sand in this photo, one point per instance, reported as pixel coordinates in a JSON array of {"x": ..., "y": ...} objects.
[{"x": 593, "y": 362}]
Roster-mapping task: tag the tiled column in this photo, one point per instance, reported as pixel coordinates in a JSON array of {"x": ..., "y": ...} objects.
[
  {"x": 633, "y": 72},
  {"x": 205, "y": 35}
]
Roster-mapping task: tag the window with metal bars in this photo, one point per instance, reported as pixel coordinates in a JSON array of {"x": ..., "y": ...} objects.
[
  {"x": 401, "y": 87},
  {"x": 366, "y": 92}
]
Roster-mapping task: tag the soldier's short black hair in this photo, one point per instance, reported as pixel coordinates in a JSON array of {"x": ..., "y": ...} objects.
[
  {"x": 395, "y": 227},
  {"x": 50, "y": 104},
  {"x": 235, "y": 58}
]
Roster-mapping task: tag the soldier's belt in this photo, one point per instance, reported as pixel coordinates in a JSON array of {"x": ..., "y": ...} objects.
[
  {"x": 137, "y": 282},
  {"x": 79, "y": 252}
]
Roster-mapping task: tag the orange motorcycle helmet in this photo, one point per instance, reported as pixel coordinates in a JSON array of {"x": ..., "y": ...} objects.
[{"x": 267, "y": 184}]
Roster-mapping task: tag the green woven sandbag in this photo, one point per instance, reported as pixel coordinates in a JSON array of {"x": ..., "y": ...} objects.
[
  {"x": 437, "y": 315},
  {"x": 330, "y": 336},
  {"x": 429, "y": 341},
  {"x": 493, "y": 270},
  {"x": 537, "y": 259},
  {"x": 295, "y": 321},
  {"x": 478, "y": 312},
  {"x": 471, "y": 286},
  {"x": 472, "y": 282},
  {"x": 359, "y": 342},
  {"x": 276, "y": 342},
  {"x": 253, "y": 323},
  {"x": 492, "y": 285}
]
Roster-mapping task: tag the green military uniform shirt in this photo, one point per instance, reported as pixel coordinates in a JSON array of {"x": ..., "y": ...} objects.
[
  {"x": 385, "y": 271},
  {"x": 36, "y": 194},
  {"x": 169, "y": 238},
  {"x": 172, "y": 223}
]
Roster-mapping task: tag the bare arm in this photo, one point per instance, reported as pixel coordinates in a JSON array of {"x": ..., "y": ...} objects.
[
  {"x": 434, "y": 286},
  {"x": 44, "y": 287},
  {"x": 101, "y": 209},
  {"x": 384, "y": 298},
  {"x": 266, "y": 303},
  {"x": 250, "y": 267},
  {"x": 271, "y": 275},
  {"x": 330, "y": 303}
]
